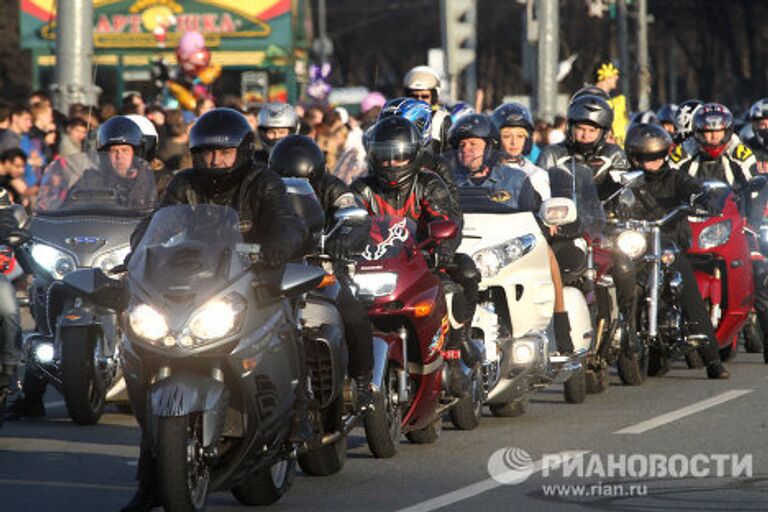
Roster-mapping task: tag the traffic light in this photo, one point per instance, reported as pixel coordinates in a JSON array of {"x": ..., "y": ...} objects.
[{"x": 459, "y": 38}]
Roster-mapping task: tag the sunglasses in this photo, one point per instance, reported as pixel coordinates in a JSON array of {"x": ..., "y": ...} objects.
[{"x": 422, "y": 96}]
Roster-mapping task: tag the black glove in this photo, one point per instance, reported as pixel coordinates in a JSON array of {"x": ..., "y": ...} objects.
[
  {"x": 274, "y": 256},
  {"x": 338, "y": 247}
]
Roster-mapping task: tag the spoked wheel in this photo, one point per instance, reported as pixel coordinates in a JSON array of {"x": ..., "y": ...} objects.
[
  {"x": 466, "y": 414},
  {"x": 268, "y": 485},
  {"x": 184, "y": 476},
  {"x": 383, "y": 424}
]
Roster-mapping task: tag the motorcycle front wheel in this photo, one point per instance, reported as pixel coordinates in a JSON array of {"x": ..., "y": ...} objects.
[
  {"x": 466, "y": 414},
  {"x": 268, "y": 485},
  {"x": 83, "y": 383},
  {"x": 383, "y": 422},
  {"x": 183, "y": 475}
]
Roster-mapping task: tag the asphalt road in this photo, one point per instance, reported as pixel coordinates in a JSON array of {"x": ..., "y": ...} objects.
[{"x": 55, "y": 465}]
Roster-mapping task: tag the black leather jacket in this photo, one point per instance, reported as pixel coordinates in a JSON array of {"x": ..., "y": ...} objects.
[
  {"x": 426, "y": 199},
  {"x": 259, "y": 198},
  {"x": 334, "y": 194},
  {"x": 441, "y": 166}
]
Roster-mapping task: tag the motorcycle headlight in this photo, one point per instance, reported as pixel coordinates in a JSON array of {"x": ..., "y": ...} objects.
[
  {"x": 714, "y": 235},
  {"x": 147, "y": 323},
  {"x": 492, "y": 259},
  {"x": 632, "y": 243},
  {"x": 111, "y": 259},
  {"x": 57, "y": 263},
  {"x": 375, "y": 284},
  {"x": 217, "y": 318}
]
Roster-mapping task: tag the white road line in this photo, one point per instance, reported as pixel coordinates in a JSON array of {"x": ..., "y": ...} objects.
[
  {"x": 473, "y": 490},
  {"x": 75, "y": 485},
  {"x": 37, "y": 445},
  {"x": 658, "y": 421}
]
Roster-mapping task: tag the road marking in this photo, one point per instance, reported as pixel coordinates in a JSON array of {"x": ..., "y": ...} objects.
[
  {"x": 29, "y": 444},
  {"x": 76, "y": 485},
  {"x": 663, "y": 419},
  {"x": 477, "y": 488}
]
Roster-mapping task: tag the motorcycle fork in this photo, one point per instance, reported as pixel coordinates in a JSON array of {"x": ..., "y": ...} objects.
[{"x": 654, "y": 284}]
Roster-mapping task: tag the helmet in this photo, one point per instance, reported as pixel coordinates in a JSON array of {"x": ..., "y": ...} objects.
[
  {"x": 684, "y": 119},
  {"x": 757, "y": 112},
  {"x": 276, "y": 115},
  {"x": 149, "y": 136},
  {"x": 221, "y": 128},
  {"x": 591, "y": 90},
  {"x": 667, "y": 113},
  {"x": 460, "y": 110},
  {"x": 477, "y": 126},
  {"x": 712, "y": 117},
  {"x": 119, "y": 130},
  {"x": 514, "y": 115},
  {"x": 646, "y": 117},
  {"x": 297, "y": 156},
  {"x": 417, "y": 112},
  {"x": 591, "y": 110},
  {"x": 646, "y": 141},
  {"x": 422, "y": 78},
  {"x": 394, "y": 138}
]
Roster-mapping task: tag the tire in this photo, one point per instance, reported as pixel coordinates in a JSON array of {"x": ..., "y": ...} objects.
[
  {"x": 466, "y": 413},
  {"x": 183, "y": 476},
  {"x": 268, "y": 485},
  {"x": 510, "y": 410},
  {"x": 83, "y": 388},
  {"x": 753, "y": 335},
  {"x": 329, "y": 459},
  {"x": 727, "y": 353},
  {"x": 632, "y": 369},
  {"x": 658, "y": 363},
  {"x": 426, "y": 435},
  {"x": 693, "y": 359},
  {"x": 597, "y": 379},
  {"x": 383, "y": 424},
  {"x": 575, "y": 388}
]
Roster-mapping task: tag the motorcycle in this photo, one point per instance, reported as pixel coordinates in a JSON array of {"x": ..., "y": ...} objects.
[
  {"x": 83, "y": 218},
  {"x": 722, "y": 254},
  {"x": 516, "y": 305},
  {"x": 407, "y": 306},
  {"x": 217, "y": 345}
]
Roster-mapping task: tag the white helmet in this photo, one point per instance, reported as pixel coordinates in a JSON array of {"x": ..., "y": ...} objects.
[
  {"x": 276, "y": 115},
  {"x": 149, "y": 138},
  {"x": 422, "y": 78}
]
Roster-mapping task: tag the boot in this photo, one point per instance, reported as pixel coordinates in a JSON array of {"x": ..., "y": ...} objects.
[
  {"x": 24, "y": 407},
  {"x": 7, "y": 378},
  {"x": 147, "y": 495},
  {"x": 563, "y": 339},
  {"x": 716, "y": 370}
]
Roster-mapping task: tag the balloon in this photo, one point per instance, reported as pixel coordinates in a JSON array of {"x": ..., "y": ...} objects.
[{"x": 190, "y": 43}]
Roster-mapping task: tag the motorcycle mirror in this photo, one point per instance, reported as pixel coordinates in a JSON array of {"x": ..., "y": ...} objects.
[
  {"x": 98, "y": 288},
  {"x": 351, "y": 214},
  {"x": 631, "y": 178},
  {"x": 711, "y": 185},
  {"x": 757, "y": 183},
  {"x": 558, "y": 211},
  {"x": 442, "y": 229}
]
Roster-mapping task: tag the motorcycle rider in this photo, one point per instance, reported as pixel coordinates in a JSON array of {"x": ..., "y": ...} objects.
[
  {"x": 224, "y": 172},
  {"x": 758, "y": 143},
  {"x": 663, "y": 189},
  {"x": 10, "y": 320},
  {"x": 422, "y": 83},
  {"x": 397, "y": 185},
  {"x": 589, "y": 121},
  {"x": 298, "y": 156},
  {"x": 275, "y": 121},
  {"x": 666, "y": 116}
]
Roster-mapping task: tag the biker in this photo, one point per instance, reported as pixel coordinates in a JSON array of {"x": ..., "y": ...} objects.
[
  {"x": 275, "y": 121},
  {"x": 589, "y": 120},
  {"x": 10, "y": 321},
  {"x": 422, "y": 83},
  {"x": 396, "y": 185},
  {"x": 224, "y": 172},
  {"x": 758, "y": 143},
  {"x": 298, "y": 156},
  {"x": 666, "y": 116},
  {"x": 662, "y": 190}
]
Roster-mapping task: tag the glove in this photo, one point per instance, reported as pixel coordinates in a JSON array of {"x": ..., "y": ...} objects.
[
  {"x": 338, "y": 247},
  {"x": 274, "y": 257}
]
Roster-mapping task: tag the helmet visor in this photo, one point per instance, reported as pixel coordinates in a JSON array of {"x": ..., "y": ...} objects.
[{"x": 398, "y": 151}]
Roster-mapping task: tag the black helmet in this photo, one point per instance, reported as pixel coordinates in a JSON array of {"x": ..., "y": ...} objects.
[
  {"x": 590, "y": 90},
  {"x": 221, "y": 128},
  {"x": 757, "y": 112},
  {"x": 297, "y": 156},
  {"x": 119, "y": 130},
  {"x": 394, "y": 138},
  {"x": 592, "y": 110},
  {"x": 644, "y": 117},
  {"x": 478, "y": 126},
  {"x": 667, "y": 113},
  {"x": 646, "y": 141}
]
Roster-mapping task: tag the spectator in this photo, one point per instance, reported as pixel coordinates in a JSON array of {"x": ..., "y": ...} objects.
[
  {"x": 174, "y": 148},
  {"x": 43, "y": 134},
  {"x": 72, "y": 142},
  {"x": 20, "y": 124},
  {"x": 12, "y": 162},
  {"x": 107, "y": 110},
  {"x": 203, "y": 106},
  {"x": 133, "y": 103}
]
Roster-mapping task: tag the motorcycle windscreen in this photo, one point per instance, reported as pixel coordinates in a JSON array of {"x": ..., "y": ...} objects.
[
  {"x": 494, "y": 179},
  {"x": 574, "y": 181},
  {"x": 389, "y": 237},
  {"x": 189, "y": 249},
  {"x": 97, "y": 183}
]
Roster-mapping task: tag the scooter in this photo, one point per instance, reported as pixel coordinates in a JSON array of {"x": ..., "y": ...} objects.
[
  {"x": 407, "y": 306},
  {"x": 216, "y": 342}
]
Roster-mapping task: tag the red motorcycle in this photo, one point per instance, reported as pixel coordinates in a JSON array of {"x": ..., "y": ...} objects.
[
  {"x": 407, "y": 307},
  {"x": 721, "y": 253}
]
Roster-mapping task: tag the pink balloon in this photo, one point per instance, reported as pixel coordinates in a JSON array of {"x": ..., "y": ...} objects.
[{"x": 190, "y": 43}]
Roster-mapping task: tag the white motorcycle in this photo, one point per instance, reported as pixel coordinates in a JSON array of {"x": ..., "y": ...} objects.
[{"x": 516, "y": 305}]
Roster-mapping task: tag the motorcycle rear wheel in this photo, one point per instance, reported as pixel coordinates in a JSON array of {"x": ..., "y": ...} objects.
[
  {"x": 268, "y": 485},
  {"x": 466, "y": 413},
  {"x": 184, "y": 477},
  {"x": 329, "y": 459},
  {"x": 597, "y": 379},
  {"x": 83, "y": 388},
  {"x": 383, "y": 426},
  {"x": 632, "y": 368},
  {"x": 753, "y": 335}
]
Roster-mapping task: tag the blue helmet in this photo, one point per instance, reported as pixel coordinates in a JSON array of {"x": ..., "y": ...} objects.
[
  {"x": 460, "y": 110},
  {"x": 417, "y": 112}
]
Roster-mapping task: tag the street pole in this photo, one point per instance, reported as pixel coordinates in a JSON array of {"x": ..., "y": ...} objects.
[
  {"x": 548, "y": 14},
  {"x": 321, "y": 25},
  {"x": 624, "y": 50},
  {"x": 644, "y": 82},
  {"x": 74, "y": 55}
]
